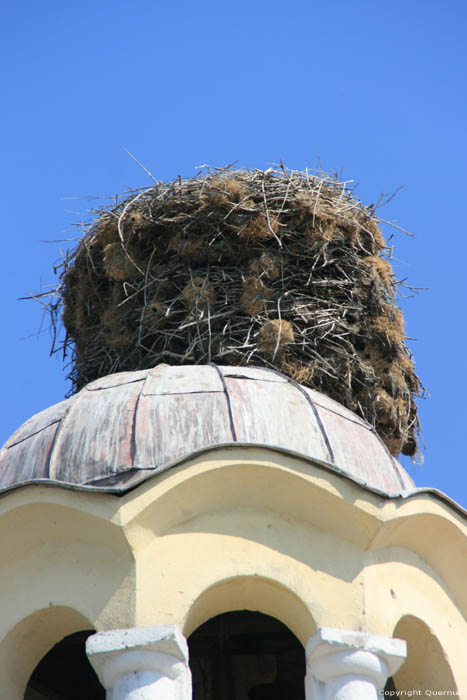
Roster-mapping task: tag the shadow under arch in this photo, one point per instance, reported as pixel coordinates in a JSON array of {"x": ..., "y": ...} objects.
[
  {"x": 244, "y": 654},
  {"x": 426, "y": 666},
  {"x": 254, "y": 593},
  {"x": 65, "y": 672},
  {"x": 29, "y": 641}
]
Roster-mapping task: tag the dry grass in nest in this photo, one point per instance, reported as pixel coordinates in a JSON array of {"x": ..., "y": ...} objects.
[
  {"x": 258, "y": 228},
  {"x": 199, "y": 293},
  {"x": 255, "y": 296},
  {"x": 381, "y": 267},
  {"x": 117, "y": 265},
  {"x": 274, "y": 335},
  {"x": 279, "y": 269},
  {"x": 390, "y": 325},
  {"x": 119, "y": 342},
  {"x": 223, "y": 191},
  {"x": 300, "y": 373},
  {"x": 266, "y": 266}
]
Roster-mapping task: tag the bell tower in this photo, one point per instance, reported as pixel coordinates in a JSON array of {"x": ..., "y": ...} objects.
[{"x": 216, "y": 511}]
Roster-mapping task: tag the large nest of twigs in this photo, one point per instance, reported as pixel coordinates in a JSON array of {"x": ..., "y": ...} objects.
[{"x": 280, "y": 269}]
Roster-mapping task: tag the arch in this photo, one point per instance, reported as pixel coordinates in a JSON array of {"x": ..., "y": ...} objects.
[
  {"x": 62, "y": 550},
  {"x": 436, "y": 535},
  {"x": 254, "y": 593},
  {"x": 258, "y": 478},
  {"x": 30, "y": 640},
  {"x": 426, "y": 666}
]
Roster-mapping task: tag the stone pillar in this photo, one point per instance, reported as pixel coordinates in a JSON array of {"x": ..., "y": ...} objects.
[
  {"x": 346, "y": 665},
  {"x": 142, "y": 663}
]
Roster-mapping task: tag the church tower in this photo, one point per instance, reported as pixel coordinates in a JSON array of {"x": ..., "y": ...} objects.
[{"x": 217, "y": 511}]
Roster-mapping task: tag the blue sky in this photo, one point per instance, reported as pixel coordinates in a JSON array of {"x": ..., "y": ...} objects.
[{"x": 377, "y": 89}]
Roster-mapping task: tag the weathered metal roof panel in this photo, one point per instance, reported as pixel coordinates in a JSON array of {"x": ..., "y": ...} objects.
[
  {"x": 118, "y": 379},
  {"x": 326, "y": 402},
  {"x": 28, "y": 459},
  {"x": 96, "y": 436},
  {"x": 357, "y": 445},
  {"x": 168, "y": 427},
  {"x": 275, "y": 414},
  {"x": 38, "y": 422},
  {"x": 188, "y": 379}
]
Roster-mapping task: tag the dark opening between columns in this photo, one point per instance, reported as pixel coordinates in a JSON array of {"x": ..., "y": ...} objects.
[
  {"x": 246, "y": 654},
  {"x": 65, "y": 673}
]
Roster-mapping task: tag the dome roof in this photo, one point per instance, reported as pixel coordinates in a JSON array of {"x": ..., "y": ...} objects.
[{"x": 128, "y": 426}]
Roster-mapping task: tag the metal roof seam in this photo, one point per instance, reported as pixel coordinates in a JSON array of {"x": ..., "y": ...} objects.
[
  {"x": 362, "y": 423},
  {"x": 9, "y": 444},
  {"x": 52, "y": 446},
  {"x": 396, "y": 469},
  {"x": 317, "y": 416},
  {"x": 227, "y": 396},
  {"x": 133, "y": 446},
  {"x": 106, "y": 388}
]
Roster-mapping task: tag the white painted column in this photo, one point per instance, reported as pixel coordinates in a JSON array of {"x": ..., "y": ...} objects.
[
  {"x": 346, "y": 665},
  {"x": 142, "y": 663}
]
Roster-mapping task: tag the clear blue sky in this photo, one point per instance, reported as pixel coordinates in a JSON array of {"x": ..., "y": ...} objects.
[{"x": 377, "y": 89}]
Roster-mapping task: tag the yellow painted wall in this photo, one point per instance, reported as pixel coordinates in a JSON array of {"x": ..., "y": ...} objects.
[{"x": 232, "y": 530}]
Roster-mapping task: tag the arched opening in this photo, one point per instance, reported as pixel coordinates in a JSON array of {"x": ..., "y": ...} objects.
[
  {"x": 65, "y": 673},
  {"x": 254, "y": 593},
  {"x": 245, "y": 654},
  {"x": 29, "y": 641},
  {"x": 426, "y": 666}
]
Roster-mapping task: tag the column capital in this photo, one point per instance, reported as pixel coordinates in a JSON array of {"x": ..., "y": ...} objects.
[
  {"x": 350, "y": 665},
  {"x": 142, "y": 662}
]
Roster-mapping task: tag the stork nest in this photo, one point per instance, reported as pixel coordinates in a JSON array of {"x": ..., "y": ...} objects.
[{"x": 279, "y": 269}]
